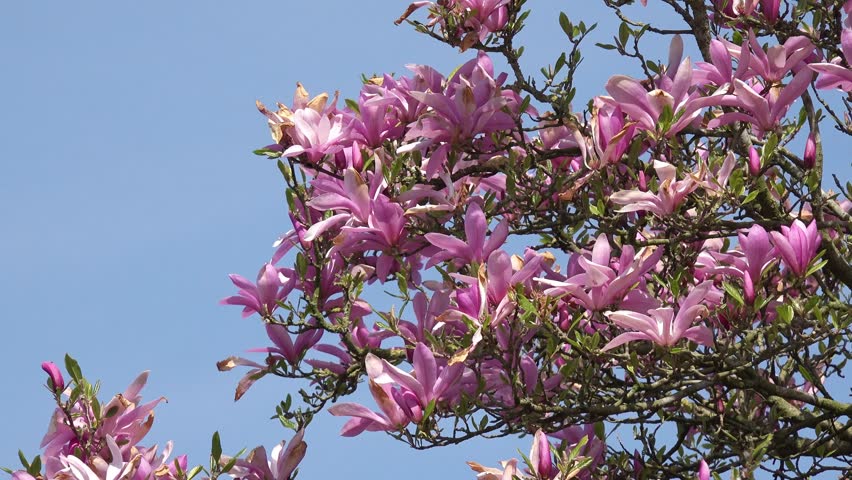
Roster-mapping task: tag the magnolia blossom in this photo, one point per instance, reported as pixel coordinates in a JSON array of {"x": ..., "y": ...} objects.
[
  {"x": 662, "y": 325},
  {"x": 600, "y": 285},
  {"x": 272, "y": 287},
  {"x": 834, "y": 74},
  {"x": 797, "y": 245},
  {"x": 762, "y": 112},
  {"x": 277, "y": 466},
  {"x": 671, "y": 193},
  {"x": 541, "y": 459},
  {"x": 57, "y": 383},
  {"x": 479, "y": 17},
  {"x": 477, "y": 248},
  {"x": 703, "y": 470},
  {"x": 403, "y": 397}
]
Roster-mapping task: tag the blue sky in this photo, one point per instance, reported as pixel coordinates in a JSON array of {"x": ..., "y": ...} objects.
[{"x": 129, "y": 192}]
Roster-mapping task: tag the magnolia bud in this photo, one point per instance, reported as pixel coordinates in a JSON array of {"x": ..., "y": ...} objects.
[
  {"x": 753, "y": 162},
  {"x": 703, "y": 471},
  {"x": 771, "y": 9},
  {"x": 541, "y": 459},
  {"x": 809, "y": 158},
  {"x": 57, "y": 383},
  {"x": 643, "y": 182}
]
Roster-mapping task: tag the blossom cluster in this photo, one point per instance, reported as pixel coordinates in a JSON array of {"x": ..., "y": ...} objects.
[{"x": 420, "y": 182}]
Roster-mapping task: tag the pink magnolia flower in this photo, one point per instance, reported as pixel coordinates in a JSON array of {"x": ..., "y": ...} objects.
[
  {"x": 809, "y": 157},
  {"x": 403, "y": 397},
  {"x": 703, "y": 470},
  {"x": 472, "y": 104},
  {"x": 426, "y": 311},
  {"x": 759, "y": 254},
  {"x": 316, "y": 134},
  {"x": 720, "y": 71},
  {"x": 562, "y": 137},
  {"x": 509, "y": 471},
  {"x": 281, "y": 121},
  {"x": 541, "y": 459},
  {"x": 771, "y": 10},
  {"x": 116, "y": 469},
  {"x": 833, "y": 74},
  {"x": 57, "y": 383},
  {"x": 671, "y": 193},
  {"x": 662, "y": 326},
  {"x": 611, "y": 133},
  {"x": 272, "y": 287},
  {"x": 384, "y": 232},
  {"x": 480, "y": 17},
  {"x": 278, "y": 466},
  {"x": 600, "y": 285},
  {"x": 284, "y": 347},
  {"x": 674, "y": 92},
  {"x": 777, "y": 61},
  {"x": 159, "y": 467},
  {"x": 594, "y": 447},
  {"x": 797, "y": 245},
  {"x": 763, "y": 112},
  {"x": 406, "y": 108},
  {"x": 477, "y": 248},
  {"x": 123, "y": 420},
  {"x": 374, "y": 121},
  {"x": 736, "y": 8},
  {"x": 753, "y": 161}
]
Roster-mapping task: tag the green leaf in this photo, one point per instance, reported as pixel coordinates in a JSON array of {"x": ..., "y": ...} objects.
[
  {"x": 193, "y": 472},
  {"x": 606, "y": 46},
  {"x": 760, "y": 449},
  {"x": 265, "y": 152},
  {"x": 429, "y": 409},
  {"x": 353, "y": 105},
  {"x": 23, "y": 459},
  {"x": 600, "y": 430},
  {"x": 750, "y": 197},
  {"x": 228, "y": 466},
  {"x": 285, "y": 170},
  {"x": 73, "y": 369},
  {"x": 624, "y": 33},
  {"x": 35, "y": 466},
  {"x": 566, "y": 25},
  {"x": 734, "y": 293},
  {"x": 216, "y": 448},
  {"x": 785, "y": 313},
  {"x": 815, "y": 268},
  {"x": 806, "y": 374}
]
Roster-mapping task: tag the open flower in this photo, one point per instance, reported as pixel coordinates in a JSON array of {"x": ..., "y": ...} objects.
[
  {"x": 662, "y": 326},
  {"x": 403, "y": 397},
  {"x": 279, "y": 466},
  {"x": 670, "y": 195},
  {"x": 833, "y": 74},
  {"x": 477, "y": 248},
  {"x": 272, "y": 287}
]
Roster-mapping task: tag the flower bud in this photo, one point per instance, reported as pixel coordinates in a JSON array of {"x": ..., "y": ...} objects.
[
  {"x": 753, "y": 162},
  {"x": 771, "y": 9},
  {"x": 809, "y": 158},
  {"x": 542, "y": 462},
  {"x": 56, "y": 382},
  {"x": 703, "y": 471},
  {"x": 643, "y": 182}
]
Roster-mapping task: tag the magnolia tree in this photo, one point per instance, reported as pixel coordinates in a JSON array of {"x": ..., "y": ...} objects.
[{"x": 666, "y": 263}]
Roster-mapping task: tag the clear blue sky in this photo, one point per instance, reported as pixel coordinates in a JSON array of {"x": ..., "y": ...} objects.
[{"x": 128, "y": 192}]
